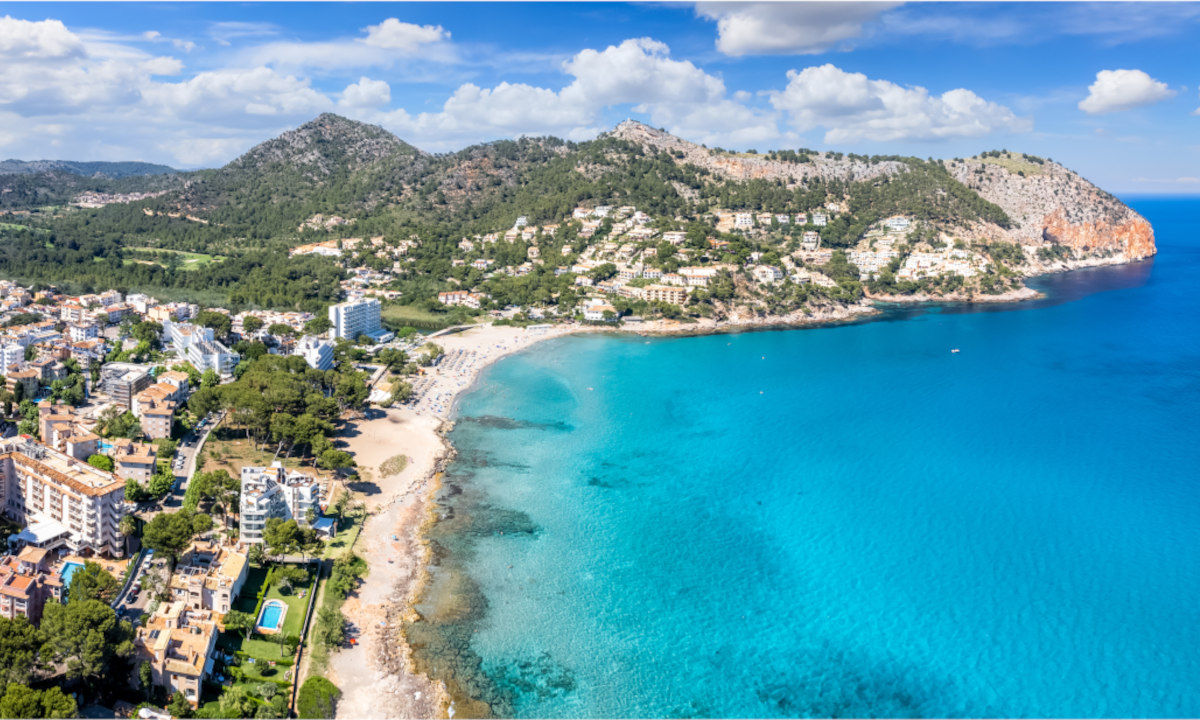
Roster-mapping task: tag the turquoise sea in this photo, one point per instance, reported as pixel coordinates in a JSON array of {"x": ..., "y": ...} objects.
[{"x": 848, "y": 521}]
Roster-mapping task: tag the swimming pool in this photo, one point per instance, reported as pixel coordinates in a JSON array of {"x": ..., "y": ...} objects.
[
  {"x": 68, "y": 571},
  {"x": 271, "y": 617}
]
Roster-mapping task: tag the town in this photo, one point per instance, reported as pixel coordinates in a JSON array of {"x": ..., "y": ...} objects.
[{"x": 150, "y": 492}]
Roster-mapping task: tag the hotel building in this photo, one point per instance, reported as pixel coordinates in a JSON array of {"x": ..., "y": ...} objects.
[
  {"x": 269, "y": 492},
  {"x": 63, "y": 500}
]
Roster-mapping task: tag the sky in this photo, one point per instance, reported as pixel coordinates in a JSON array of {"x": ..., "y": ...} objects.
[{"x": 1111, "y": 90}]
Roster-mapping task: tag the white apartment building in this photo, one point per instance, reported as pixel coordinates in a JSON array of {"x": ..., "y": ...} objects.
[
  {"x": 358, "y": 317},
  {"x": 198, "y": 345},
  {"x": 269, "y": 492},
  {"x": 316, "y": 352},
  {"x": 11, "y": 353},
  {"x": 63, "y": 501},
  {"x": 767, "y": 274}
]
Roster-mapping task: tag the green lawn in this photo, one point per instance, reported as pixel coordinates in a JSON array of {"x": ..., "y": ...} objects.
[
  {"x": 293, "y": 621},
  {"x": 344, "y": 538}
]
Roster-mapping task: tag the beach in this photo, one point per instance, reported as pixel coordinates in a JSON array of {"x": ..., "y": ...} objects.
[{"x": 375, "y": 674}]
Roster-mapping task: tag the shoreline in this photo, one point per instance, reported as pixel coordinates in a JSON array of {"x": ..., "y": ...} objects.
[{"x": 378, "y": 676}]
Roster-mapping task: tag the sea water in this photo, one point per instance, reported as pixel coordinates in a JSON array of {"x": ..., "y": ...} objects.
[{"x": 847, "y": 521}]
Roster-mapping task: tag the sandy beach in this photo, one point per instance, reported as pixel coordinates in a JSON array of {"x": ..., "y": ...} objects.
[{"x": 376, "y": 675}]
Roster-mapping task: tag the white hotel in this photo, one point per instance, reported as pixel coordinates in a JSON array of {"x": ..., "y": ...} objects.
[{"x": 358, "y": 317}]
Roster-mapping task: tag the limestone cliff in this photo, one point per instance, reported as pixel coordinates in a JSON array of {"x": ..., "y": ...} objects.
[
  {"x": 1050, "y": 204},
  {"x": 747, "y": 166}
]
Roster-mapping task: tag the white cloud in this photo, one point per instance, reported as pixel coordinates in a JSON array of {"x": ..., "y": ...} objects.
[
  {"x": 788, "y": 28},
  {"x": 1116, "y": 90},
  {"x": 22, "y": 40},
  {"x": 381, "y": 46},
  {"x": 220, "y": 94},
  {"x": 853, "y": 107},
  {"x": 638, "y": 73},
  {"x": 99, "y": 95},
  {"x": 226, "y": 31},
  {"x": 406, "y": 38},
  {"x": 46, "y": 69},
  {"x": 366, "y": 93}
]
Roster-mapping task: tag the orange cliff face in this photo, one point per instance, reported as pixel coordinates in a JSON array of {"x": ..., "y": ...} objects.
[{"x": 1134, "y": 237}]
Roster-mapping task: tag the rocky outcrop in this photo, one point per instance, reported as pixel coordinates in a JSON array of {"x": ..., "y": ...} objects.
[
  {"x": 1046, "y": 202},
  {"x": 747, "y": 166},
  {"x": 1050, "y": 204},
  {"x": 1132, "y": 237}
]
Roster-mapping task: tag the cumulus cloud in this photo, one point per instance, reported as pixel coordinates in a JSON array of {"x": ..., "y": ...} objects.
[
  {"x": 45, "y": 40},
  {"x": 638, "y": 73},
  {"x": 366, "y": 93},
  {"x": 406, "y": 38},
  {"x": 101, "y": 96},
  {"x": 1116, "y": 90},
  {"x": 221, "y": 93},
  {"x": 381, "y": 45},
  {"x": 853, "y": 107},
  {"x": 45, "y": 69},
  {"x": 785, "y": 28}
]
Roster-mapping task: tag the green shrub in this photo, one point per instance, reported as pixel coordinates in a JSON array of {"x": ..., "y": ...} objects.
[{"x": 317, "y": 699}]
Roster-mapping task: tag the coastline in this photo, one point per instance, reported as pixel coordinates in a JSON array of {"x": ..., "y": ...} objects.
[{"x": 378, "y": 676}]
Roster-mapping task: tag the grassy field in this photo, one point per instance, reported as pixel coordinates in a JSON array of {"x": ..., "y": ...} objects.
[
  {"x": 18, "y": 226},
  {"x": 401, "y": 315},
  {"x": 1015, "y": 163},
  {"x": 189, "y": 260},
  {"x": 293, "y": 621},
  {"x": 344, "y": 538}
]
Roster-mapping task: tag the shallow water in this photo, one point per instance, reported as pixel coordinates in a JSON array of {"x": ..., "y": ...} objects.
[{"x": 849, "y": 521}]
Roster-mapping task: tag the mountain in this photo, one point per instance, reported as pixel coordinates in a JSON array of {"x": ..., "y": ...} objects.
[
  {"x": 329, "y": 165},
  {"x": 1044, "y": 202},
  {"x": 1001, "y": 215},
  {"x": 111, "y": 170},
  {"x": 333, "y": 167}
]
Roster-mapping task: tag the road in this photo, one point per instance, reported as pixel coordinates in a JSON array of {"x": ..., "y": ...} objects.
[
  {"x": 189, "y": 447},
  {"x": 129, "y": 606}
]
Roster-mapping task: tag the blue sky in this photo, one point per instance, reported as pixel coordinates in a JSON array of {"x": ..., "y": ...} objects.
[{"x": 1110, "y": 89}]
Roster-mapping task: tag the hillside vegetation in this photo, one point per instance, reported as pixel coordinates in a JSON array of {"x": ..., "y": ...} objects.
[{"x": 334, "y": 177}]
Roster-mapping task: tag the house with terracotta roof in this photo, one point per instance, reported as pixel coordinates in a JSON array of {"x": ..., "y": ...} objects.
[
  {"x": 178, "y": 642},
  {"x": 133, "y": 460},
  {"x": 155, "y": 408},
  {"x": 26, "y": 583},
  {"x": 209, "y": 576}
]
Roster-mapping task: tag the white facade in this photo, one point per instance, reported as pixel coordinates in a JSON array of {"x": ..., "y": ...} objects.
[
  {"x": 358, "y": 317},
  {"x": 316, "y": 352},
  {"x": 11, "y": 354},
  {"x": 198, "y": 345},
  {"x": 45, "y": 488},
  {"x": 269, "y": 492}
]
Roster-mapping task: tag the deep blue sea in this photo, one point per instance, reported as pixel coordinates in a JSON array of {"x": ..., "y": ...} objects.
[{"x": 848, "y": 521}]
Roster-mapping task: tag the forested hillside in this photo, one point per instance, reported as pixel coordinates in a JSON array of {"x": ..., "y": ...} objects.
[{"x": 336, "y": 178}]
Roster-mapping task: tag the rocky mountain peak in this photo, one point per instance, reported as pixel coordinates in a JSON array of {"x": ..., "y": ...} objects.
[{"x": 326, "y": 144}]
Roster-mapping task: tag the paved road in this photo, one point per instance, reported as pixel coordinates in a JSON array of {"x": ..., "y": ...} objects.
[
  {"x": 188, "y": 447},
  {"x": 127, "y": 606}
]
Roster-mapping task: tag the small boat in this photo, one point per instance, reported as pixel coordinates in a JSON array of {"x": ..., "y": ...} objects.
[{"x": 954, "y": 350}]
